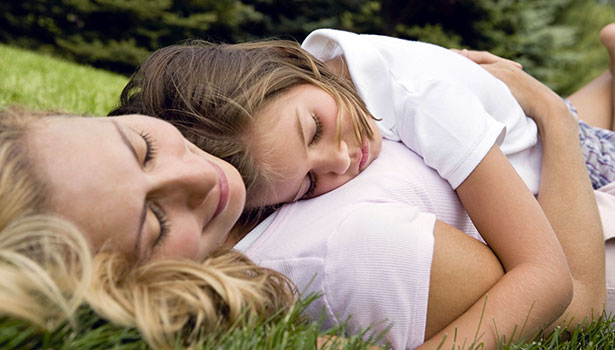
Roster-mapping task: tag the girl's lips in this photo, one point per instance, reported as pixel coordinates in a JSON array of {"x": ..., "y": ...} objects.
[
  {"x": 223, "y": 187},
  {"x": 364, "y": 154}
]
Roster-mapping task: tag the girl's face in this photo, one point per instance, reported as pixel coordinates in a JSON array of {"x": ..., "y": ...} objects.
[
  {"x": 296, "y": 135},
  {"x": 133, "y": 184}
]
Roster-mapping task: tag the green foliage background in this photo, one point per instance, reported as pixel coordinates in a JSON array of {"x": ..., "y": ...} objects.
[{"x": 555, "y": 40}]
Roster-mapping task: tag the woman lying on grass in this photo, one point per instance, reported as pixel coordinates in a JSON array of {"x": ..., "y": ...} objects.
[{"x": 212, "y": 93}]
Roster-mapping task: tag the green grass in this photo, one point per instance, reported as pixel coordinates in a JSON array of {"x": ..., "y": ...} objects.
[
  {"x": 42, "y": 83},
  {"x": 290, "y": 332}
]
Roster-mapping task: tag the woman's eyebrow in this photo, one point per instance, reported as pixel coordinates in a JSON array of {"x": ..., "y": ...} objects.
[
  {"x": 125, "y": 139},
  {"x": 140, "y": 228},
  {"x": 132, "y": 149}
]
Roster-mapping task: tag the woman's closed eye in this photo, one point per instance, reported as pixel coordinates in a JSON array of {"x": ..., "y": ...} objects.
[
  {"x": 317, "y": 129},
  {"x": 150, "y": 147},
  {"x": 163, "y": 222}
]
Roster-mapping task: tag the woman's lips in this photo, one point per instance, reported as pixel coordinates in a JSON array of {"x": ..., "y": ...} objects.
[{"x": 223, "y": 187}]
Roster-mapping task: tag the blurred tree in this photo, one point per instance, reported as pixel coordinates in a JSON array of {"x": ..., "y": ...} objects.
[
  {"x": 117, "y": 34},
  {"x": 544, "y": 35},
  {"x": 532, "y": 33},
  {"x": 294, "y": 19},
  {"x": 555, "y": 40}
]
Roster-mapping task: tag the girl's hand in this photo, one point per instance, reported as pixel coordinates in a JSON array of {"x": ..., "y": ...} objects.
[
  {"x": 484, "y": 57},
  {"x": 535, "y": 98}
]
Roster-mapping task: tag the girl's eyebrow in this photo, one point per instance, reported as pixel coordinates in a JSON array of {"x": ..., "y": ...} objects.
[
  {"x": 132, "y": 149},
  {"x": 299, "y": 126}
]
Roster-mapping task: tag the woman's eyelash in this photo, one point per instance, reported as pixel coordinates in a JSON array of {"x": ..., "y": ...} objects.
[
  {"x": 312, "y": 187},
  {"x": 318, "y": 132},
  {"x": 162, "y": 220},
  {"x": 150, "y": 147}
]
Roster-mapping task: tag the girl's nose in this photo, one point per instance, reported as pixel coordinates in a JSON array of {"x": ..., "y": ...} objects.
[{"x": 337, "y": 161}]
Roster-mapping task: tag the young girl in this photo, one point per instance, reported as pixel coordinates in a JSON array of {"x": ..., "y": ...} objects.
[{"x": 272, "y": 107}]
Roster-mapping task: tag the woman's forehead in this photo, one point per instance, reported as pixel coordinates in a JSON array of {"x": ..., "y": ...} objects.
[{"x": 93, "y": 178}]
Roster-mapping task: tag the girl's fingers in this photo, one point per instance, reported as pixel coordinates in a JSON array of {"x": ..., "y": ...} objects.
[{"x": 484, "y": 57}]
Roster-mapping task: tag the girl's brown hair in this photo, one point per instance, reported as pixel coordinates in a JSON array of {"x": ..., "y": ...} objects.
[{"x": 212, "y": 93}]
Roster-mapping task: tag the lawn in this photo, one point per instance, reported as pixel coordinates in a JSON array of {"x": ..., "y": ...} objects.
[
  {"x": 46, "y": 83},
  {"x": 43, "y": 83}
]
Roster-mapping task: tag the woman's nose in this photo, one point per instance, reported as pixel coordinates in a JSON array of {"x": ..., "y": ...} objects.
[
  {"x": 337, "y": 161},
  {"x": 189, "y": 180}
]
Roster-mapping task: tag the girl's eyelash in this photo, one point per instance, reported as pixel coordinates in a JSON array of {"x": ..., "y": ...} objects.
[
  {"x": 162, "y": 220},
  {"x": 315, "y": 139},
  {"x": 150, "y": 147},
  {"x": 318, "y": 132},
  {"x": 312, "y": 187}
]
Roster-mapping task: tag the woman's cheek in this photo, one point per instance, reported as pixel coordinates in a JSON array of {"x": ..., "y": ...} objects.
[{"x": 184, "y": 243}]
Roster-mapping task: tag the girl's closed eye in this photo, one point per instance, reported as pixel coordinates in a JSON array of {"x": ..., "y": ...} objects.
[
  {"x": 150, "y": 147},
  {"x": 310, "y": 192},
  {"x": 310, "y": 175},
  {"x": 317, "y": 129}
]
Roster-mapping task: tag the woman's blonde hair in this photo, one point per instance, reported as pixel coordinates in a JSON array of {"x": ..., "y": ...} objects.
[
  {"x": 47, "y": 269},
  {"x": 212, "y": 93}
]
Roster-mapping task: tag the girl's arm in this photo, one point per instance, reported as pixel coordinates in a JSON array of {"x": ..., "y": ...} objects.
[
  {"x": 536, "y": 287},
  {"x": 566, "y": 194}
]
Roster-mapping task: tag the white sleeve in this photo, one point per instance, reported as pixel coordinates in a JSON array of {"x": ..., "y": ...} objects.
[
  {"x": 377, "y": 272},
  {"x": 448, "y": 126}
]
